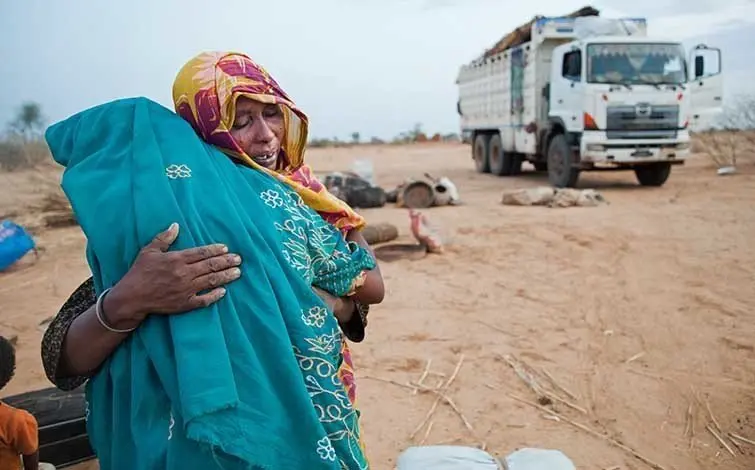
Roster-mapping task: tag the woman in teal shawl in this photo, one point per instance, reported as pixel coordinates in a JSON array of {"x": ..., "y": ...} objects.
[{"x": 255, "y": 380}]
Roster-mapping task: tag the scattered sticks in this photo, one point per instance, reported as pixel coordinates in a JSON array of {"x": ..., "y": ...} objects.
[
  {"x": 720, "y": 439},
  {"x": 440, "y": 392},
  {"x": 592, "y": 432}
]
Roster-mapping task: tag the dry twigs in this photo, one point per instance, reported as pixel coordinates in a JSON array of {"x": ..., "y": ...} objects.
[
  {"x": 720, "y": 439},
  {"x": 527, "y": 374},
  {"x": 424, "y": 375},
  {"x": 558, "y": 386},
  {"x": 440, "y": 392},
  {"x": 741, "y": 439},
  {"x": 592, "y": 432},
  {"x": 714, "y": 427}
]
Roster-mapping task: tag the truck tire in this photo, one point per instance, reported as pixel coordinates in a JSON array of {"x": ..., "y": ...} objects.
[
  {"x": 517, "y": 159},
  {"x": 499, "y": 161},
  {"x": 561, "y": 172},
  {"x": 481, "y": 153},
  {"x": 653, "y": 174}
]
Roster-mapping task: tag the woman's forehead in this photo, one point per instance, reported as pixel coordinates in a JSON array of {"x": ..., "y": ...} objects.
[{"x": 245, "y": 104}]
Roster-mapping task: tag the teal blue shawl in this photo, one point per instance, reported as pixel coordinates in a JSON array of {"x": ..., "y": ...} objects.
[{"x": 250, "y": 382}]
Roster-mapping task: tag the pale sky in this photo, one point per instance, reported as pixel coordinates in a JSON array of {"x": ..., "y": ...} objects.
[{"x": 372, "y": 66}]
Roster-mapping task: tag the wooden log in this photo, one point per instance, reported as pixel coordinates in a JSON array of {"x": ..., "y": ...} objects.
[
  {"x": 417, "y": 195},
  {"x": 380, "y": 233},
  {"x": 397, "y": 251}
]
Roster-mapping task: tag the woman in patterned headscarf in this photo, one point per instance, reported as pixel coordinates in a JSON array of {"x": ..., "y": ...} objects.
[{"x": 233, "y": 104}]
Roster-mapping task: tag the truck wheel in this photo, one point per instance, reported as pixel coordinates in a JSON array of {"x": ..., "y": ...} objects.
[
  {"x": 561, "y": 173},
  {"x": 499, "y": 160},
  {"x": 480, "y": 153},
  {"x": 517, "y": 159},
  {"x": 653, "y": 174}
]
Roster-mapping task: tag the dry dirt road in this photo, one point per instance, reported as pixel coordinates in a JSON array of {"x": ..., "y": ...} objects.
[{"x": 634, "y": 307}]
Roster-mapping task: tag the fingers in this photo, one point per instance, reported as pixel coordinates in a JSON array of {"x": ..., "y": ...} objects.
[
  {"x": 164, "y": 239},
  {"x": 205, "y": 300},
  {"x": 215, "y": 264},
  {"x": 201, "y": 253},
  {"x": 216, "y": 279}
]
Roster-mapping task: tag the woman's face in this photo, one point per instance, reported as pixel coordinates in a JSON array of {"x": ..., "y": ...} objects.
[{"x": 258, "y": 129}]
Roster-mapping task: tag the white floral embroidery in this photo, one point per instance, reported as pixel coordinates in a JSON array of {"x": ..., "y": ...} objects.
[
  {"x": 325, "y": 449},
  {"x": 312, "y": 247},
  {"x": 170, "y": 427},
  {"x": 272, "y": 198},
  {"x": 325, "y": 344},
  {"x": 315, "y": 316},
  {"x": 178, "y": 171}
]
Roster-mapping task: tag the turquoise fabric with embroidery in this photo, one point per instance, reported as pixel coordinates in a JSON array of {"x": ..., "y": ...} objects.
[{"x": 250, "y": 382}]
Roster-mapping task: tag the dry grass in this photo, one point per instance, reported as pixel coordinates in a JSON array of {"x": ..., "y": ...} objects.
[
  {"x": 30, "y": 190},
  {"x": 18, "y": 155},
  {"x": 726, "y": 147}
]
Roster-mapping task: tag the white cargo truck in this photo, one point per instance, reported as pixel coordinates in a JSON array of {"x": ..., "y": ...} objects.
[{"x": 586, "y": 93}]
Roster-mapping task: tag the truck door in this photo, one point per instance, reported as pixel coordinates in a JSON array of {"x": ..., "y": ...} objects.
[
  {"x": 706, "y": 87},
  {"x": 566, "y": 87}
]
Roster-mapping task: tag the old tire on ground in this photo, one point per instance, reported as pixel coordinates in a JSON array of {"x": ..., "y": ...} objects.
[
  {"x": 561, "y": 172},
  {"x": 481, "y": 154},
  {"x": 653, "y": 174},
  {"x": 61, "y": 417},
  {"x": 417, "y": 195}
]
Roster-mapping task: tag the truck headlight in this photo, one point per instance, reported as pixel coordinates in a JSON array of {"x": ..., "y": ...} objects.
[{"x": 595, "y": 148}]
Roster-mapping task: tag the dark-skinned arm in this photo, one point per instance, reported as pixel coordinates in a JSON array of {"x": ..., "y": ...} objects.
[
  {"x": 158, "y": 283},
  {"x": 31, "y": 462},
  {"x": 373, "y": 290}
]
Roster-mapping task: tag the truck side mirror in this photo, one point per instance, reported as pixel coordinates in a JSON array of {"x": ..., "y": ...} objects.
[{"x": 699, "y": 66}]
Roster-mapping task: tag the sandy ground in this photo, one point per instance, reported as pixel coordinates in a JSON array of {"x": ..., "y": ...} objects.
[{"x": 662, "y": 276}]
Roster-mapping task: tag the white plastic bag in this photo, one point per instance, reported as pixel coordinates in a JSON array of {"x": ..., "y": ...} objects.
[
  {"x": 446, "y": 458},
  {"x": 470, "y": 458}
]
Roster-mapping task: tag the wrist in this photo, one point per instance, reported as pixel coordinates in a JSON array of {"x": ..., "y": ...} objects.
[
  {"x": 344, "y": 309},
  {"x": 122, "y": 311}
]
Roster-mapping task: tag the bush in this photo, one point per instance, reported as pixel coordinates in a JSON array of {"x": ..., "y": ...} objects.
[{"x": 15, "y": 154}]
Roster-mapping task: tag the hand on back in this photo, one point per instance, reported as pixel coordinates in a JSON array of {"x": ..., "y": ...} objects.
[{"x": 168, "y": 282}]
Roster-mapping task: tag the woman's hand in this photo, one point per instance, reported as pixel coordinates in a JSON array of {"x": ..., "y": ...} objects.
[{"x": 163, "y": 282}]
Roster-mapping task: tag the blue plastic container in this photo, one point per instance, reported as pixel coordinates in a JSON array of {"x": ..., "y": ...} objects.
[{"x": 14, "y": 243}]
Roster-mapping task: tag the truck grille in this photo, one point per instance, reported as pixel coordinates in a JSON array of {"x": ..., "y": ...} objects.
[{"x": 642, "y": 121}]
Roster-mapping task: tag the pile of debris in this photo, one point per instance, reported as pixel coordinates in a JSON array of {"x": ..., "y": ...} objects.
[
  {"x": 552, "y": 197},
  {"x": 414, "y": 193},
  {"x": 523, "y": 33}
]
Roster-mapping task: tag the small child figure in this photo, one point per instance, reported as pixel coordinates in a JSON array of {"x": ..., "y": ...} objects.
[{"x": 19, "y": 441}]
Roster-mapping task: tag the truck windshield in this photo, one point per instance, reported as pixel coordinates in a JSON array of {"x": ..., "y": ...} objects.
[{"x": 636, "y": 64}]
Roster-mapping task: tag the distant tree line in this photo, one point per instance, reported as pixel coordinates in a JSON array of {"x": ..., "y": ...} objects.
[{"x": 415, "y": 135}]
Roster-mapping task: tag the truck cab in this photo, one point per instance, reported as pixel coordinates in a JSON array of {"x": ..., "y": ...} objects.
[{"x": 629, "y": 103}]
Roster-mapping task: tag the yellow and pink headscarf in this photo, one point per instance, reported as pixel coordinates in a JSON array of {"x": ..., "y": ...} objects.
[{"x": 205, "y": 94}]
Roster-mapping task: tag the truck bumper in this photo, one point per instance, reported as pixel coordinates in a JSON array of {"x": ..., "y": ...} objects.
[{"x": 597, "y": 150}]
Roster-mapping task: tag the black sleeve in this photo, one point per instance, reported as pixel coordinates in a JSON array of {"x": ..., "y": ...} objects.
[
  {"x": 52, "y": 342},
  {"x": 354, "y": 329}
]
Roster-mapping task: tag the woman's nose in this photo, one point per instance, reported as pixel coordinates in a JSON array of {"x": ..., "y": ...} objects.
[{"x": 262, "y": 131}]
